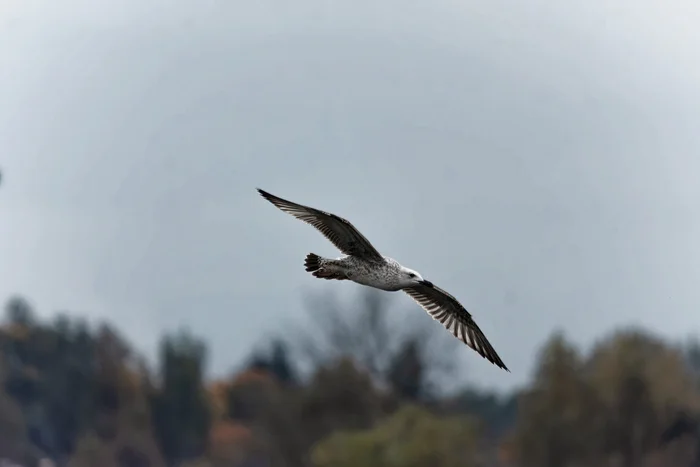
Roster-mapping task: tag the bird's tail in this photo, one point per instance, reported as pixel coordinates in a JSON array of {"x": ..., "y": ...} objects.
[
  {"x": 314, "y": 265},
  {"x": 312, "y": 262}
]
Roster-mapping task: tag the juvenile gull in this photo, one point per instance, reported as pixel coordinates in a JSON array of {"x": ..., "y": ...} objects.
[{"x": 363, "y": 264}]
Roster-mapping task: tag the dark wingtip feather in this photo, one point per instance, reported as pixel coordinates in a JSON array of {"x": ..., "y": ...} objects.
[
  {"x": 268, "y": 196},
  {"x": 498, "y": 361}
]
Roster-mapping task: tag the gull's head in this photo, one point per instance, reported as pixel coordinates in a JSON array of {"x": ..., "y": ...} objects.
[{"x": 410, "y": 278}]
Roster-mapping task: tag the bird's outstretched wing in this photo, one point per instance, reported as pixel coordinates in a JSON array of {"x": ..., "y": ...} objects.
[
  {"x": 446, "y": 309},
  {"x": 336, "y": 229}
]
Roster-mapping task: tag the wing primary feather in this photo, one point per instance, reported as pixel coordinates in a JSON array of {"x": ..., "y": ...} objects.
[
  {"x": 337, "y": 230},
  {"x": 444, "y": 308}
]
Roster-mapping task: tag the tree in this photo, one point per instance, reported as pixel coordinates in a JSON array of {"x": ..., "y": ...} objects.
[
  {"x": 684, "y": 425},
  {"x": 275, "y": 361},
  {"x": 230, "y": 444},
  {"x": 249, "y": 394},
  {"x": 692, "y": 358},
  {"x": 340, "y": 397},
  {"x": 412, "y": 437},
  {"x": 180, "y": 409},
  {"x": 554, "y": 426},
  {"x": 50, "y": 373},
  {"x": 385, "y": 346},
  {"x": 610, "y": 407},
  {"x": 641, "y": 383},
  {"x": 132, "y": 448},
  {"x": 497, "y": 412},
  {"x": 19, "y": 312},
  {"x": 67, "y": 385},
  {"x": 91, "y": 450},
  {"x": 257, "y": 400},
  {"x": 14, "y": 444},
  {"x": 120, "y": 433},
  {"x": 406, "y": 372}
]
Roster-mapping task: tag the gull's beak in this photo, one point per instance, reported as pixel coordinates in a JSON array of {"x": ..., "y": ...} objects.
[{"x": 427, "y": 283}]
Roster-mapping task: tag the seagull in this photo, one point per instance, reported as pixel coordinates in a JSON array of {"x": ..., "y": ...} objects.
[{"x": 363, "y": 264}]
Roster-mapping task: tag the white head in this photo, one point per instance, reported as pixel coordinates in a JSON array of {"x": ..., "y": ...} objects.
[{"x": 409, "y": 278}]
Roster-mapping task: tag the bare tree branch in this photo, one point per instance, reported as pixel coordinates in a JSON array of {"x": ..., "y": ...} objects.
[{"x": 372, "y": 333}]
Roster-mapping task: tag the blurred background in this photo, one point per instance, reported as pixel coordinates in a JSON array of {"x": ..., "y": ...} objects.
[{"x": 538, "y": 160}]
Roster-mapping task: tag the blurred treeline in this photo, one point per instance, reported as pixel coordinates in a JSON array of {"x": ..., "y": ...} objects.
[{"x": 369, "y": 396}]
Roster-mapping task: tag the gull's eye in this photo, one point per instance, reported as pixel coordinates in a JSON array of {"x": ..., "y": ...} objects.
[{"x": 410, "y": 274}]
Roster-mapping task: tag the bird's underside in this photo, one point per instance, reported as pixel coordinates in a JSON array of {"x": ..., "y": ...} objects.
[
  {"x": 365, "y": 265},
  {"x": 382, "y": 275},
  {"x": 312, "y": 263}
]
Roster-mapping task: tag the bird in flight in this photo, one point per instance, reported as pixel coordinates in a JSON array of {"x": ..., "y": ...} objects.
[{"x": 364, "y": 265}]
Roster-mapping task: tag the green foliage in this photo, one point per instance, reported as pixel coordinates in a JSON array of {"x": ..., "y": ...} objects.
[
  {"x": 497, "y": 413},
  {"x": 412, "y": 437}
]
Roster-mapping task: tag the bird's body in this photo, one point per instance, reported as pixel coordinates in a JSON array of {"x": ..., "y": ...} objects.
[
  {"x": 363, "y": 264},
  {"x": 384, "y": 274}
]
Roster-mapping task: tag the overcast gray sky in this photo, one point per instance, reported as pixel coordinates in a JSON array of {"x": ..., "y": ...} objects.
[{"x": 539, "y": 160}]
